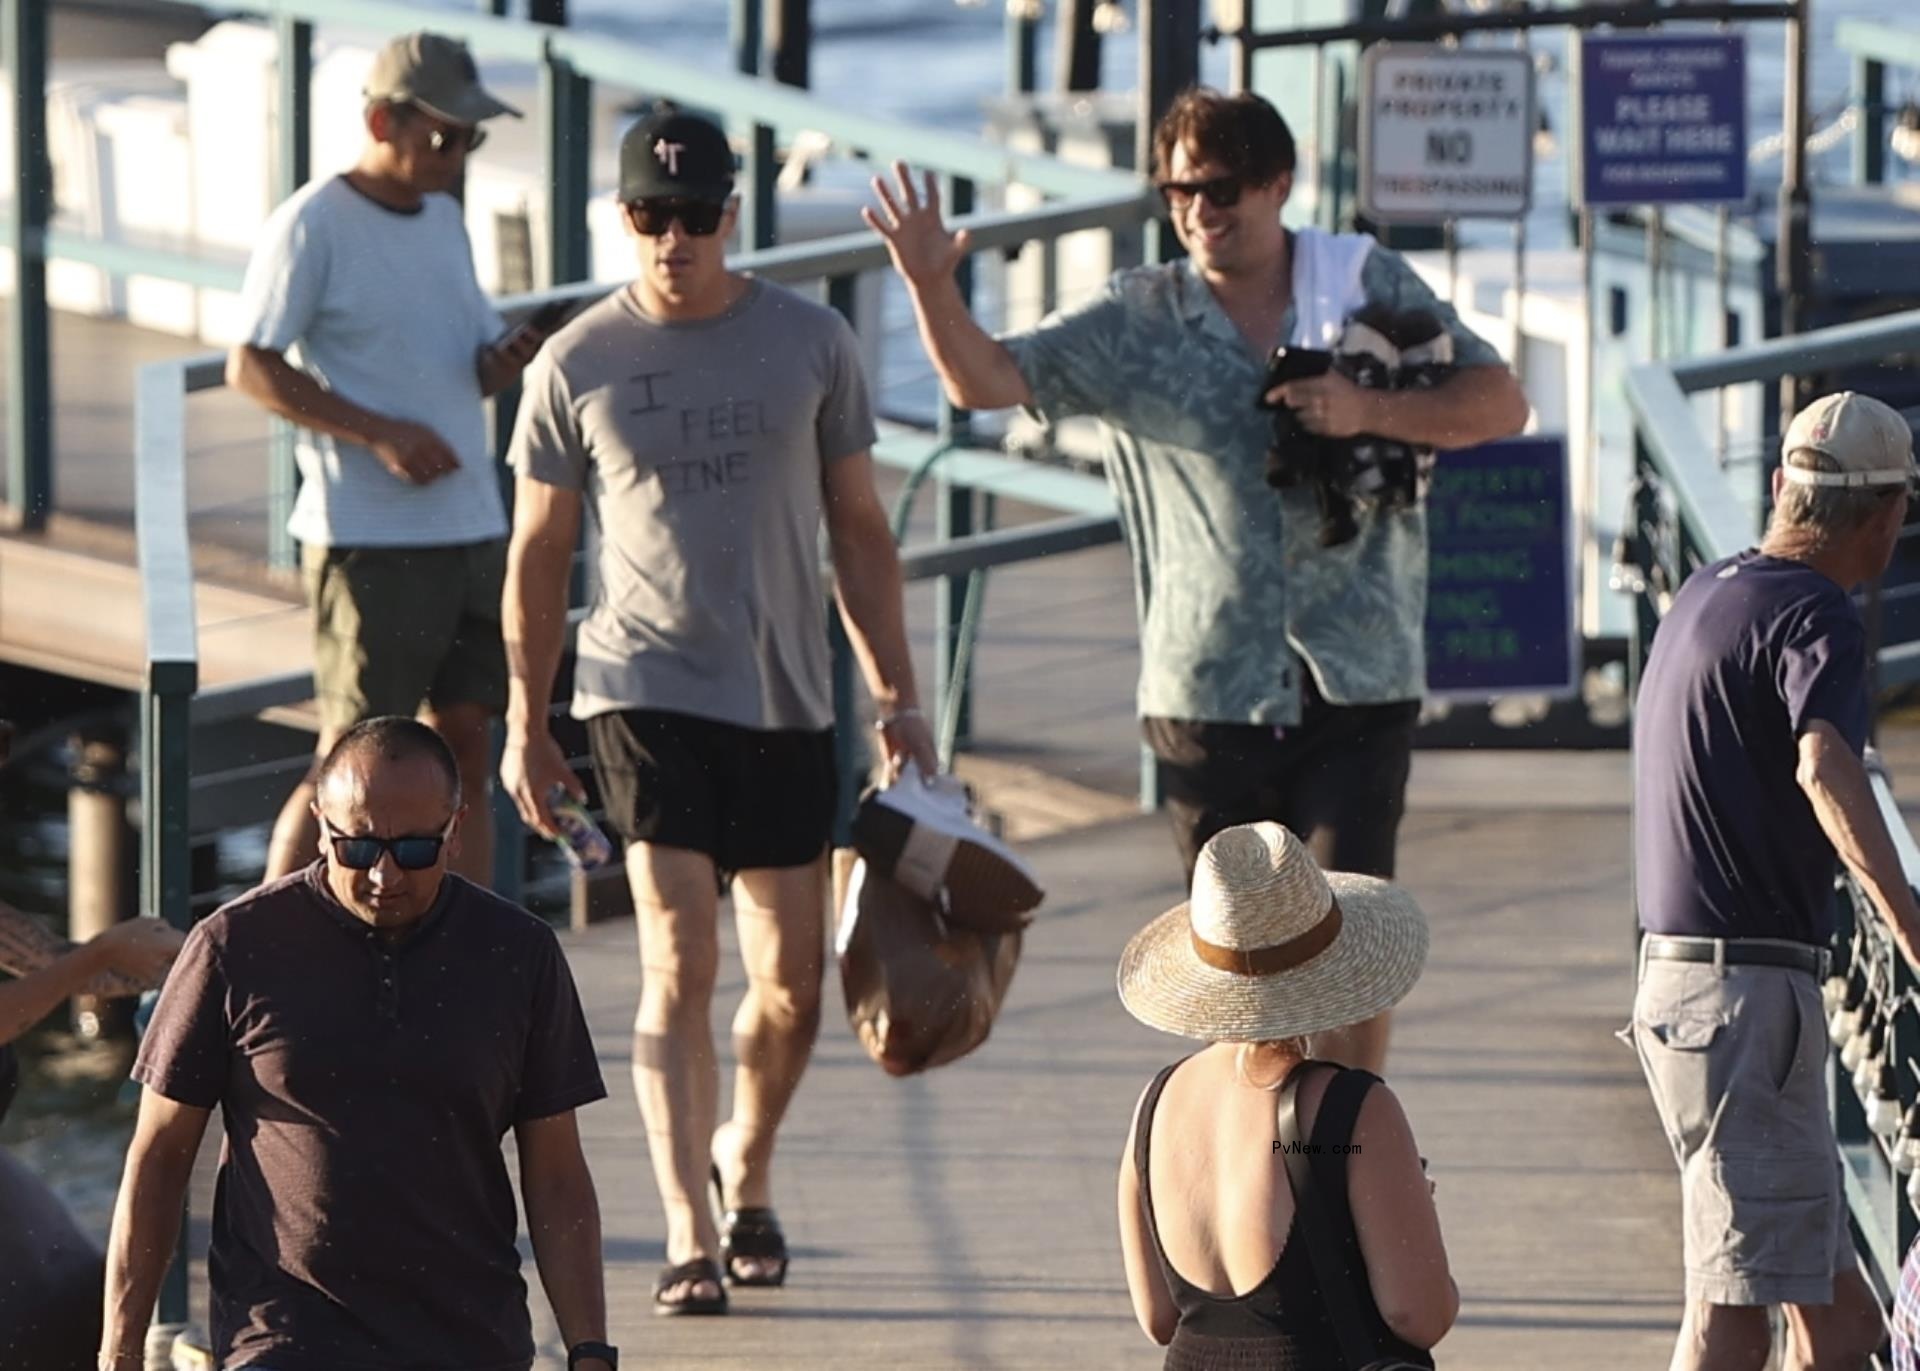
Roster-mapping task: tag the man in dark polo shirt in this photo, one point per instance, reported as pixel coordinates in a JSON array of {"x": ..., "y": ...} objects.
[
  {"x": 370, "y": 1028},
  {"x": 1748, "y": 781}
]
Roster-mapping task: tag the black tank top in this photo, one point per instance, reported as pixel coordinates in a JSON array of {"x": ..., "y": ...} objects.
[{"x": 1282, "y": 1323}]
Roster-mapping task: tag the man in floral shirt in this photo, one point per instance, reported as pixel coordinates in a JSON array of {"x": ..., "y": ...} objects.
[{"x": 1279, "y": 679}]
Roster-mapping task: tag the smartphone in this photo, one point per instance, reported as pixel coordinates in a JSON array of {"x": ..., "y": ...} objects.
[{"x": 550, "y": 316}]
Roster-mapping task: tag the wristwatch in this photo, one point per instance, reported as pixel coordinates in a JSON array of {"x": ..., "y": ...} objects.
[{"x": 589, "y": 1351}]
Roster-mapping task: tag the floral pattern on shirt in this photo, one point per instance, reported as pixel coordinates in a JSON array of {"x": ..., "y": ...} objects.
[{"x": 1232, "y": 589}]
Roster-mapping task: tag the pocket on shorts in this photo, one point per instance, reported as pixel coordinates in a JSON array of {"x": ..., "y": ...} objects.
[
  {"x": 1760, "y": 1215},
  {"x": 1678, "y": 1020},
  {"x": 1684, "y": 1032}
]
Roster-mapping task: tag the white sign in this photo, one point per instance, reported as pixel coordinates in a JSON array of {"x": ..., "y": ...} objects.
[{"x": 1445, "y": 133}]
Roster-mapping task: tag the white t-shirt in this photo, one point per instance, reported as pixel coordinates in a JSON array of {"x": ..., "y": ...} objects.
[{"x": 380, "y": 306}]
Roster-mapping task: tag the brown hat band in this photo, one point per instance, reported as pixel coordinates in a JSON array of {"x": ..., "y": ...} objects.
[{"x": 1269, "y": 961}]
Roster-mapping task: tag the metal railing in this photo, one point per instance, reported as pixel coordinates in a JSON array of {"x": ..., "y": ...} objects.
[
  {"x": 1687, "y": 513},
  {"x": 567, "y": 62}
]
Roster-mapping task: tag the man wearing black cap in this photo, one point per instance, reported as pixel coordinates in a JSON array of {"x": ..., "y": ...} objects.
[
  {"x": 366, "y": 328},
  {"x": 714, "y": 420}
]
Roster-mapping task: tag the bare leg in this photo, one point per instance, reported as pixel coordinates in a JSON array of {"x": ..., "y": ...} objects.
[
  {"x": 1839, "y": 1336},
  {"x": 1723, "y": 1337},
  {"x": 1362, "y": 1044},
  {"x": 468, "y": 729},
  {"x": 780, "y": 915},
  {"x": 676, "y": 908}
]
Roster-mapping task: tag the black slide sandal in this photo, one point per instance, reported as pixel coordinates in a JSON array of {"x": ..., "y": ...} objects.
[
  {"x": 687, "y": 1273},
  {"x": 752, "y": 1232}
]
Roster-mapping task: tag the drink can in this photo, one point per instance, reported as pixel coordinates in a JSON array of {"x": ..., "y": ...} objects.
[{"x": 585, "y": 845}]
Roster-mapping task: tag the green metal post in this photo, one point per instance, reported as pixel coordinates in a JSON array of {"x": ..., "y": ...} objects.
[
  {"x": 293, "y": 167},
  {"x": 1077, "y": 64},
  {"x": 953, "y": 518},
  {"x": 759, "y": 224},
  {"x": 849, "y": 751},
  {"x": 166, "y": 857},
  {"x": 1169, "y": 63},
  {"x": 790, "y": 37},
  {"x": 29, "y": 343},
  {"x": 1023, "y": 54},
  {"x": 566, "y": 104},
  {"x": 1870, "y": 144},
  {"x": 509, "y": 833},
  {"x": 746, "y": 30}
]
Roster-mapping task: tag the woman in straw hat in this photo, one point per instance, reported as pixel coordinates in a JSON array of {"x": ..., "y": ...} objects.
[{"x": 1269, "y": 951}]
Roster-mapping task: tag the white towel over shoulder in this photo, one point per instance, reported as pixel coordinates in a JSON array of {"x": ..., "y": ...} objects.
[{"x": 1326, "y": 284}]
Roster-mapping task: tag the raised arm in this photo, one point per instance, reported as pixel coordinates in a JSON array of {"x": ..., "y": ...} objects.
[
  {"x": 533, "y": 621},
  {"x": 975, "y": 369},
  {"x": 563, "y": 1221},
  {"x": 866, "y": 578},
  {"x": 1836, "y": 784},
  {"x": 146, "y": 1223}
]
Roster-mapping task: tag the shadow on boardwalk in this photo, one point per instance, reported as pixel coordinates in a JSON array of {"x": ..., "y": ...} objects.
[{"x": 965, "y": 1218}]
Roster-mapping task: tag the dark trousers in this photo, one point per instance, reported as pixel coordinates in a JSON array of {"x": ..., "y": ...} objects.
[{"x": 1338, "y": 779}]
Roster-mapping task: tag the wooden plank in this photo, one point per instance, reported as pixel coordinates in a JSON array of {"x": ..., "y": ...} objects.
[{"x": 76, "y": 611}]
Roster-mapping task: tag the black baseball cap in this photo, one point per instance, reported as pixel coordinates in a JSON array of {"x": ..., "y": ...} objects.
[{"x": 675, "y": 154}]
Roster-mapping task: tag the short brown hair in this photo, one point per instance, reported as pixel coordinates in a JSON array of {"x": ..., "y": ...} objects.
[{"x": 1242, "y": 133}]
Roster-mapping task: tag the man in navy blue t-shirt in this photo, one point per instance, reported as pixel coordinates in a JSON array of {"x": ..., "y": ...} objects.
[{"x": 1748, "y": 781}]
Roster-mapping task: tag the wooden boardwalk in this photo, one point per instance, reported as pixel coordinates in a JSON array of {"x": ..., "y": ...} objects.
[{"x": 965, "y": 1218}]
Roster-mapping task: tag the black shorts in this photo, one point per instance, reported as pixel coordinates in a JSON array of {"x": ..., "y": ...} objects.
[
  {"x": 1338, "y": 779},
  {"x": 749, "y": 798}
]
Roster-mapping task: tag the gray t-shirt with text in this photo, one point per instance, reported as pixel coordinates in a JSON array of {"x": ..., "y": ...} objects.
[{"x": 700, "y": 449}]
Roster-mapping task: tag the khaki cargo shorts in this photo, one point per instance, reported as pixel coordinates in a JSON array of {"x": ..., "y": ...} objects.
[
  {"x": 395, "y": 626},
  {"x": 1736, "y": 1059}
]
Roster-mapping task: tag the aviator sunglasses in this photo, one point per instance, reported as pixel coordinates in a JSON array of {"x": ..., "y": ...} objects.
[
  {"x": 697, "y": 217},
  {"x": 1222, "y": 192},
  {"x": 415, "y": 853}
]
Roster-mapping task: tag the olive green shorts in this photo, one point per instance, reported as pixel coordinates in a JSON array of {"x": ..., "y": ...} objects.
[{"x": 396, "y": 626}]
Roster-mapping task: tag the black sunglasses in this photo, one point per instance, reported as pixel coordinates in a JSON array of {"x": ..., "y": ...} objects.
[
  {"x": 364, "y": 853},
  {"x": 698, "y": 217},
  {"x": 1222, "y": 192}
]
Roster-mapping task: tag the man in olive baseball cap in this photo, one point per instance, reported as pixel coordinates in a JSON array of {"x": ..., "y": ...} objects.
[
  {"x": 362, "y": 324},
  {"x": 434, "y": 73}
]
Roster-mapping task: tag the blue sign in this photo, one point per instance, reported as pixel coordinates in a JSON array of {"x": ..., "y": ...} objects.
[
  {"x": 1663, "y": 120},
  {"x": 1500, "y": 611}
]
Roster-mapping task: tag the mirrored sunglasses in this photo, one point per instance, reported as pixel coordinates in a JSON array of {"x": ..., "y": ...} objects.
[
  {"x": 697, "y": 217},
  {"x": 1222, "y": 192},
  {"x": 363, "y": 853}
]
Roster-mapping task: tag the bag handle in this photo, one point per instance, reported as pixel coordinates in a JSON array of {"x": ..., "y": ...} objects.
[{"x": 1357, "y": 1347}]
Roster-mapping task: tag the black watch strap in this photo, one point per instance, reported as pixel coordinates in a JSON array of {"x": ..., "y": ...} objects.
[{"x": 581, "y": 1351}]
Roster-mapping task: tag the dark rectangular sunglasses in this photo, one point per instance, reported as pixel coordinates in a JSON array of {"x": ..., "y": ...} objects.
[
  {"x": 409, "y": 854},
  {"x": 1222, "y": 192},
  {"x": 698, "y": 217}
]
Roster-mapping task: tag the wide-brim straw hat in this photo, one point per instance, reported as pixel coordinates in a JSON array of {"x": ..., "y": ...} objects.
[{"x": 1269, "y": 946}]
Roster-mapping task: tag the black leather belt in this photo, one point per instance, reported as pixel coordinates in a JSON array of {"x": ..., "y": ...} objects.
[{"x": 1740, "y": 952}]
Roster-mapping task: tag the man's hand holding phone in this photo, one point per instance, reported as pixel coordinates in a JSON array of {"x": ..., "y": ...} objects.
[{"x": 503, "y": 360}]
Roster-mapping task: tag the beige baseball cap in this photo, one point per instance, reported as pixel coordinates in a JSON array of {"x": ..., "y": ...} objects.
[
  {"x": 437, "y": 74},
  {"x": 1869, "y": 441}
]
